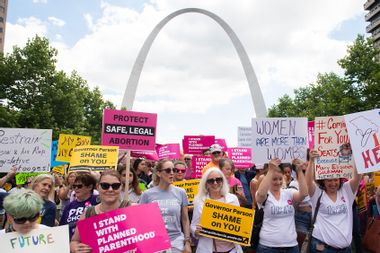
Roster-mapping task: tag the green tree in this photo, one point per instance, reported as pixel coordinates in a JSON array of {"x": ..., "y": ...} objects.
[{"x": 36, "y": 95}]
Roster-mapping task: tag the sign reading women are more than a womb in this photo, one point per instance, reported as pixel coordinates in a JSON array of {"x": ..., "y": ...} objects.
[
  {"x": 28, "y": 149},
  {"x": 129, "y": 130}
]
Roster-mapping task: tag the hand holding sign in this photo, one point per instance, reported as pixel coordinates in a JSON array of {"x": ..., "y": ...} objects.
[{"x": 274, "y": 163}]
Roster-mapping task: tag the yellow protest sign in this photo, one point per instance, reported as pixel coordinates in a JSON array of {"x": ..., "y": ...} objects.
[
  {"x": 227, "y": 222},
  {"x": 95, "y": 158},
  {"x": 191, "y": 188},
  {"x": 66, "y": 144},
  {"x": 361, "y": 200},
  {"x": 59, "y": 169},
  {"x": 376, "y": 179}
]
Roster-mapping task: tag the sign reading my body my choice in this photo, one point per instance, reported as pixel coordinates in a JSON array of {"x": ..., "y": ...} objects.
[
  {"x": 28, "y": 149},
  {"x": 129, "y": 130}
]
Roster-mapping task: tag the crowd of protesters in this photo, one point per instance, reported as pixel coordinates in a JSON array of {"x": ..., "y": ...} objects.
[{"x": 288, "y": 194}]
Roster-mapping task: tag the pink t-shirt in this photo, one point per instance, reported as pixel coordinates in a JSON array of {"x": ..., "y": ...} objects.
[{"x": 232, "y": 181}]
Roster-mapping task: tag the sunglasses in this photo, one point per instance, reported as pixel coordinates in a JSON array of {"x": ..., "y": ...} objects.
[
  {"x": 216, "y": 153},
  {"x": 218, "y": 180},
  {"x": 106, "y": 186},
  {"x": 187, "y": 159},
  {"x": 79, "y": 186},
  {"x": 170, "y": 170},
  {"x": 179, "y": 170},
  {"x": 23, "y": 220}
]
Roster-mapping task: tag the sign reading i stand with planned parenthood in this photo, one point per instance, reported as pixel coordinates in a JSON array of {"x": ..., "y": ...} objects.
[
  {"x": 129, "y": 130},
  {"x": 283, "y": 138}
]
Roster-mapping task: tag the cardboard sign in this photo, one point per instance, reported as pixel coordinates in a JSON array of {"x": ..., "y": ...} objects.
[
  {"x": 222, "y": 143},
  {"x": 333, "y": 146},
  {"x": 28, "y": 149},
  {"x": 361, "y": 200},
  {"x": 59, "y": 169},
  {"x": 54, "y": 152},
  {"x": 283, "y": 138},
  {"x": 310, "y": 134},
  {"x": 129, "y": 130},
  {"x": 66, "y": 144},
  {"x": 168, "y": 151},
  {"x": 191, "y": 188},
  {"x": 94, "y": 158},
  {"x": 197, "y": 163},
  {"x": 376, "y": 179},
  {"x": 242, "y": 157},
  {"x": 138, "y": 228},
  {"x": 227, "y": 222},
  {"x": 245, "y": 137},
  {"x": 194, "y": 145},
  {"x": 364, "y": 131},
  {"x": 149, "y": 155},
  {"x": 22, "y": 177},
  {"x": 43, "y": 240}
]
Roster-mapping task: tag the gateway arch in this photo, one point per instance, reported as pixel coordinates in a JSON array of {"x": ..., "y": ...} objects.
[{"x": 256, "y": 95}]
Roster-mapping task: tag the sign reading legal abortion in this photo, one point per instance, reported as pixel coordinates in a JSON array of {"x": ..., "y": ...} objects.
[
  {"x": 66, "y": 144},
  {"x": 198, "y": 162},
  {"x": 195, "y": 145},
  {"x": 242, "y": 157},
  {"x": 334, "y": 149},
  {"x": 168, "y": 151},
  {"x": 191, "y": 188},
  {"x": 43, "y": 240},
  {"x": 138, "y": 228},
  {"x": 94, "y": 158},
  {"x": 227, "y": 222},
  {"x": 129, "y": 130},
  {"x": 28, "y": 149},
  {"x": 364, "y": 131},
  {"x": 283, "y": 138}
]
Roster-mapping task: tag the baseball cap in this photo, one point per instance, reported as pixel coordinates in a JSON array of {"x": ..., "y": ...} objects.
[{"x": 215, "y": 148}]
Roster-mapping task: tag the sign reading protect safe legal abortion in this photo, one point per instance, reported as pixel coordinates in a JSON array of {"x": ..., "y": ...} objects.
[
  {"x": 334, "y": 149},
  {"x": 283, "y": 138},
  {"x": 94, "y": 158},
  {"x": 28, "y": 149},
  {"x": 227, "y": 222},
  {"x": 129, "y": 130},
  {"x": 137, "y": 228}
]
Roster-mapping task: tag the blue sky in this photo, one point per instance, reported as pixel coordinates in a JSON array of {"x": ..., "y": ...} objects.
[{"x": 192, "y": 77}]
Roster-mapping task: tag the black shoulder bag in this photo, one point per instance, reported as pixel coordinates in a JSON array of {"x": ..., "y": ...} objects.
[{"x": 257, "y": 224}]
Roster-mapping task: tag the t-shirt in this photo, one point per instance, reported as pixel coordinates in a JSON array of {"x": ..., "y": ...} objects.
[
  {"x": 170, "y": 203},
  {"x": 278, "y": 229},
  {"x": 208, "y": 166},
  {"x": 232, "y": 181},
  {"x": 47, "y": 214},
  {"x": 306, "y": 201},
  {"x": 72, "y": 212},
  {"x": 39, "y": 226},
  {"x": 333, "y": 224}
]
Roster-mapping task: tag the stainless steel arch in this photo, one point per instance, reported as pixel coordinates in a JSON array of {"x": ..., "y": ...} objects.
[{"x": 257, "y": 97}]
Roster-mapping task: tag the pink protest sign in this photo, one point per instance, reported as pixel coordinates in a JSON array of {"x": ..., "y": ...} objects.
[
  {"x": 242, "y": 157},
  {"x": 198, "y": 163},
  {"x": 168, "y": 151},
  {"x": 129, "y": 130},
  {"x": 222, "y": 143},
  {"x": 195, "y": 145},
  {"x": 138, "y": 228},
  {"x": 149, "y": 155},
  {"x": 310, "y": 134}
]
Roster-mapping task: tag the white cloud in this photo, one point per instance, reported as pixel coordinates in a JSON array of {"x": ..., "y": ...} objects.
[
  {"x": 40, "y": 1},
  {"x": 56, "y": 21}
]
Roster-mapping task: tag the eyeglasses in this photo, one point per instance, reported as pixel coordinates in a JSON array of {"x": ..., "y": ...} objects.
[
  {"x": 218, "y": 180},
  {"x": 179, "y": 170},
  {"x": 79, "y": 186},
  {"x": 216, "y": 153},
  {"x": 23, "y": 220},
  {"x": 170, "y": 170},
  {"x": 106, "y": 186},
  {"x": 187, "y": 159}
]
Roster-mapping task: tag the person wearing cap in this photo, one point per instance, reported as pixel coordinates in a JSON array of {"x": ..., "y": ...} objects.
[
  {"x": 216, "y": 154},
  {"x": 189, "y": 168}
]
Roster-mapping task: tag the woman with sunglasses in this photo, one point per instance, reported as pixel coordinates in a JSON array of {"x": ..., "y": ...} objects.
[
  {"x": 213, "y": 185},
  {"x": 180, "y": 171},
  {"x": 43, "y": 185},
  {"x": 109, "y": 188},
  {"x": 23, "y": 209},
  {"x": 83, "y": 186},
  {"x": 173, "y": 204}
]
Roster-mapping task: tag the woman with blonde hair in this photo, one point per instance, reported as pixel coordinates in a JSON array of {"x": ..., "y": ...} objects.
[
  {"x": 213, "y": 185},
  {"x": 43, "y": 185}
]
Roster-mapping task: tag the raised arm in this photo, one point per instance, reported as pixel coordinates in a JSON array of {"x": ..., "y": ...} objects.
[
  {"x": 355, "y": 180},
  {"x": 310, "y": 172},
  {"x": 11, "y": 173},
  {"x": 302, "y": 187},
  {"x": 263, "y": 189}
]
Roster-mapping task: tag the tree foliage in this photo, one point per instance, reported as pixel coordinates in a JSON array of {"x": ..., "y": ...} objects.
[
  {"x": 358, "y": 90},
  {"x": 36, "y": 95}
]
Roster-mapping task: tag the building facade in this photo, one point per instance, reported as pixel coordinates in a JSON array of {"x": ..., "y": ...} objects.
[
  {"x": 3, "y": 19},
  {"x": 373, "y": 16}
]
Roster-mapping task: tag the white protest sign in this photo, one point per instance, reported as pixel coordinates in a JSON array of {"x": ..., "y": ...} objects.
[
  {"x": 364, "y": 131},
  {"x": 28, "y": 149},
  {"x": 43, "y": 240},
  {"x": 283, "y": 138},
  {"x": 245, "y": 137}
]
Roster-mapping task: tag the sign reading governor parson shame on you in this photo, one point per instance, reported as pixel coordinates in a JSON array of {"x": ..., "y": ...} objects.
[{"x": 129, "y": 130}]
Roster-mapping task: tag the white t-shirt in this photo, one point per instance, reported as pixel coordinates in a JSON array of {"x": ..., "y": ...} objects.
[
  {"x": 39, "y": 226},
  {"x": 306, "y": 201},
  {"x": 333, "y": 224},
  {"x": 278, "y": 228}
]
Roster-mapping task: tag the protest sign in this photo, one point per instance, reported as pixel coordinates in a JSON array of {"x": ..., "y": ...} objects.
[
  {"x": 197, "y": 163},
  {"x": 222, "y": 143},
  {"x": 283, "y": 138},
  {"x": 226, "y": 222},
  {"x": 364, "y": 131},
  {"x": 138, "y": 228},
  {"x": 333, "y": 146},
  {"x": 191, "y": 188},
  {"x": 310, "y": 134},
  {"x": 59, "y": 169},
  {"x": 94, "y": 158},
  {"x": 149, "y": 155},
  {"x": 43, "y": 240},
  {"x": 361, "y": 200},
  {"x": 129, "y": 130},
  {"x": 22, "y": 177},
  {"x": 66, "y": 144},
  {"x": 168, "y": 151},
  {"x": 195, "y": 145},
  {"x": 376, "y": 179},
  {"x": 28, "y": 149},
  {"x": 242, "y": 157},
  {"x": 245, "y": 137},
  {"x": 54, "y": 151}
]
